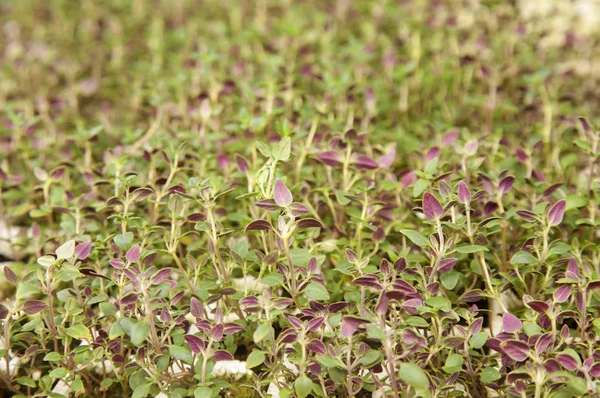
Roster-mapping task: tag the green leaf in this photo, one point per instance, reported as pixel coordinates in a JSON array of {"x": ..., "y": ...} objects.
[
  {"x": 523, "y": 257},
  {"x": 115, "y": 331},
  {"x": 263, "y": 148},
  {"x": 471, "y": 249},
  {"x": 107, "y": 382},
  {"x": 327, "y": 361},
  {"x": 79, "y": 332},
  {"x": 46, "y": 261},
  {"x": 439, "y": 302},
  {"x": 77, "y": 385},
  {"x": 124, "y": 240},
  {"x": 256, "y": 358},
  {"x": 300, "y": 256},
  {"x": 575, "y": 202},
  {"x": 68, "y": 273},
  {"x": 262, "y": 332},
  {"x": 577, "y": 386},
  {"x": 58, "y": 373},
  {"x": 180, "y": 352},
  {"x": 282, "y": 150},
  {"x": 142, "y": 391},
  {"x": 478, "y": 340},
  {"x": 316, "y": 291},
  {"x": 341, "y": 198},
  {"x": 431, "y": 166},
  {"x": 375, "y": 332},
  {"x": 303, "y": 386},
  {"x": 52, "y": 357},
  {"x": 370, "y": 358},
  {"x": 203, "y": 392},
  {"x": 417, "y": 321},
  {"x": 453, "y": 363},
  {"x": 67, "y": 250},
  {"x": 489, "y": 375},
  {"x": 272, "y": 279},
  {"x": 139, "y": 332},
  {"x": 415, "y": 237},
  {"x": 449, "y": 279},
  {"x": 413, "y": 375}
]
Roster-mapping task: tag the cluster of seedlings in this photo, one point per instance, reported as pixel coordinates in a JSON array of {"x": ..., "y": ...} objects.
[{"x": 298, "y": 199}]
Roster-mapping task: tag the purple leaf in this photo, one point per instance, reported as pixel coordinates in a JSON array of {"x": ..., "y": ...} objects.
[
  {"x": 404, "y": 286},
  {"x": 336, "y": 307},
  {"x": 349, "y": 326},
  {"x": 91, "y": 272},
  {"x": 464, "y": 195},
  {"x": 544, "y": 342},
  {"x": 309, "y": 223},
  {"x": 232, "y": 328},
  {"x": 282, "y": 195},
  {"x": 129, "y": 299},
  {"x": 526, "y": 215},
  {"x": 365, "y": 163},
  {"x": 32, "y": 307},
  {"x": 538, "y": 306},
  {"x": 585, "y": 124},
  {"x": 216, "y": 333},
  {"x": 196, "y": 344},
  {"x": 249, "y": 301},
  {"x": 82, "y": 250},
  {"x": 117, "y": 263},
  {"x": 258, "y": 225},
  {"x": 296, "y": 323},
  {"x": 408, "y": 179},
  {"x": 400, "y": 264},
  {"x": 595, "y": 370},
  {"x": 368, "y": 281},
  {"x": 222, "y": 355},
  {"x": 312, "y": 265},
  {"x": 382, "y": 305},
  {"x": 379, "y": 235},
  {"x": 476, "y": 326},
  {"x": 133, "y": 254},
  {"x": 562, "y": 294},
  {"x": 298, "y": 209},
  {"x": 388, "y": 159},
  {"x": 511, "y": 323},
  {"x": 431, "y": 207},
  {"x": 242, "y": 164},
  {"x": 556, "y": 213},
  {"x": 567, "y": 361},
  {"x": 267, "y": 204},
  {"x": 593, "y": 285},
  {"x": 434, "y": 152},
  {"x": 506, "y": 184},
  {"x": 573, "y": 270},
  {"x": 196, "y": 308},
  {"x": 472, "y": 296},
  {"x": 11, "y": 276},
  {"x": 317, "y": 346},
  {"x": 330, "y": 158},
  {"x": 446, "y": 265},
  {"x": 450, "y": 138},
  {"x": 282, "y": 302},
  {"x": 516, "y": 350},
  {"x": 384, "y": 267},
  {"x": 351, "y": 256},
  {"x": 161, "y": 276}
]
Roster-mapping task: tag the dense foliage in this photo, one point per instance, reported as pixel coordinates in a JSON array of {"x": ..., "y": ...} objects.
[{"x": 340, "y": 194}]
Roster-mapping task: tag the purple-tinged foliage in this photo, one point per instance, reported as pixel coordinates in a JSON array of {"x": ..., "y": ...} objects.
[
  {"x": 346, "y": 217},
  {"x": 431, "y": 207}
]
